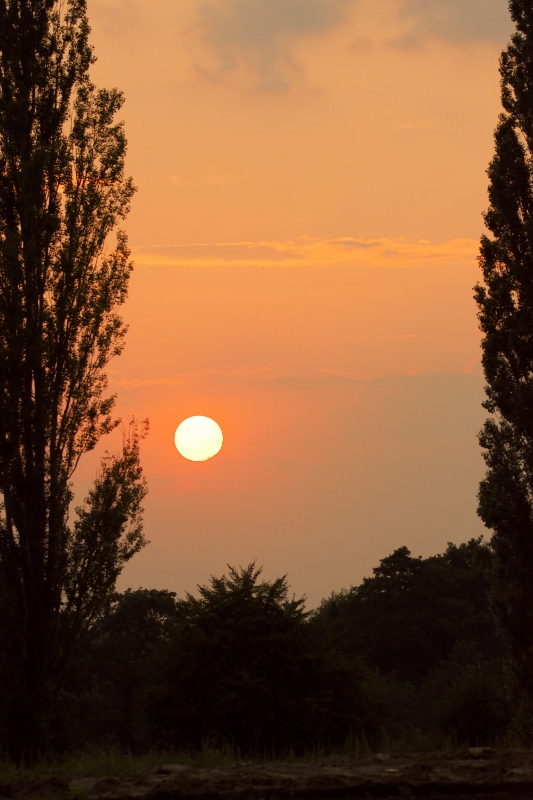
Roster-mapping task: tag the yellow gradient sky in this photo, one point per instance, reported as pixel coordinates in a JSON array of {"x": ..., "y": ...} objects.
[{"x": 311, "y": 180}]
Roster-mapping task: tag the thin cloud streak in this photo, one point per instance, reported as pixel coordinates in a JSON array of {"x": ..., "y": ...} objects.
[{"x": 309, "y": 251}]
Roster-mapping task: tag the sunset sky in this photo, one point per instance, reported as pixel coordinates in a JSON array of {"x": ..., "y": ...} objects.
[{"x": 312, "y": 176}]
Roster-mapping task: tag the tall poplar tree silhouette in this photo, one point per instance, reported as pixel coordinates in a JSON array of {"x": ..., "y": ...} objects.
[
  {"x": 62, "y": 191},
  {"x": 506, "y": 319}
]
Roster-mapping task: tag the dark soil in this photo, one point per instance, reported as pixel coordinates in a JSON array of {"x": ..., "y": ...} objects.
[{"x": 478, "y": 772}]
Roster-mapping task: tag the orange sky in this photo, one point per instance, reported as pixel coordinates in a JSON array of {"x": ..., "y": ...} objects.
[{"x": 311, "y": 179}]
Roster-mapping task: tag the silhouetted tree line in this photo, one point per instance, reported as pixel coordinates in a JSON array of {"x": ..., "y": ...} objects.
[{"x": 410, "y": 652}]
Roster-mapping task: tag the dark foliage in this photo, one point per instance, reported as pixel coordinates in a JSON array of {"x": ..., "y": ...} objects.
[
  {"x": 464, "y": 698},
  {"x": 410, "y": 653},
  {"x": 425, "y": 626},
  {"x": 111, "y": 669},
  {"x": 409, "y": 616},
  {"x": 506, "y": 311},
  {"x": 242, "y": 666},
  {"x": 62, "y": 192}
]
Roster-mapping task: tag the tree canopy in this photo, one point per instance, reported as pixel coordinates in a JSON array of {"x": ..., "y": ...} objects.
[
  {"x": 505, "y": 301},
  {"x": 410, "y": 615},
  {"x": 62, "y": 192},
  {"x": 240, "y": 666}
]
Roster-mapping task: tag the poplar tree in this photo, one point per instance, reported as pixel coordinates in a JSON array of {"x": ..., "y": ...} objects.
[
  {"x": 505, "y": 301},
  {"x": 62, "y": 192}
]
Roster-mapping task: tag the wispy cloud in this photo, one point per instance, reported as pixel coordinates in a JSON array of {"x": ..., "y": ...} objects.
[
  {"x": 241, "y": 372},
  {"x": 308, "y": 251},
  {"x": 350, "y": 376},
  {"x": 141, "y": 383},
  {"x": 258, "y": 34},
  {"x": 116, "y": 17},
  {"x": 455, "y": 20}
]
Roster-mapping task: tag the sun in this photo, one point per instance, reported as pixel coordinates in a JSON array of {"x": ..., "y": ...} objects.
[{"x": 198, "y": 438}]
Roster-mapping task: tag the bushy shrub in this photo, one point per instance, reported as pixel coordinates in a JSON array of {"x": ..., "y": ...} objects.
[{"x": 242, "y": 665}]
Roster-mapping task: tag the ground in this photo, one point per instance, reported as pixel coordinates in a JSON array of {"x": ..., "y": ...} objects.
[{"x": 478, "y": 772}]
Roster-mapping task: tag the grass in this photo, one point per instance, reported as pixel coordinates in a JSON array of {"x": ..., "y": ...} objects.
[
  {"x": 111, "y": 761},
  {"x": 98, "y": 762},
  {"x": 95, "y": 762}
]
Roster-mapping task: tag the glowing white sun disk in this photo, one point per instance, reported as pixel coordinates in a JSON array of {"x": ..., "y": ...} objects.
[{"x": 198, "y": 438}]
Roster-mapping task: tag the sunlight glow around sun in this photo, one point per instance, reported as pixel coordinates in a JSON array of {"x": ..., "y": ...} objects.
[{"x": 198, "y": 438}]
